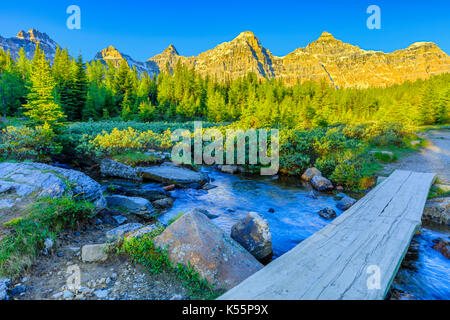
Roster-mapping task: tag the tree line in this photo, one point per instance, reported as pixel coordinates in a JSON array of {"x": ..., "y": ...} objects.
[{"x": 69, "y": 89}]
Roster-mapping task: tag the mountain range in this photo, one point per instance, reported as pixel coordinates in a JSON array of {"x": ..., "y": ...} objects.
[{"x": 326, "y": 58}]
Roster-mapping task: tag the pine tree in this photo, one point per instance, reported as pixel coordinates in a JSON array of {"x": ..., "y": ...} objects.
[
  {"x": 426, "y": 114},
  {"x": 41, "y": 106},
  {"x": 79, "y": 90}
]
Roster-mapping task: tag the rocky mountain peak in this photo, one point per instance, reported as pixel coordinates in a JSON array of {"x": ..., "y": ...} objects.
[
  {"x": 109, "y": 53},
  {"x": 21, "y": 35},
  {"x": 36, "y": 36},
  {"x": 171, "y": 50},
  {"x": 326, "y": 36},
  {"x": 28, "y": 41},
  {"x": 246, "y": 35}
]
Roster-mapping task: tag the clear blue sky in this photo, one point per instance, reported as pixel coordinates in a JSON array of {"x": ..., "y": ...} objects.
[{"x": 145, "y": 28}]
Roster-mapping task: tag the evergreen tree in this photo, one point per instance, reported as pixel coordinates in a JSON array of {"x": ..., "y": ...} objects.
[
  {"x": 41, "y": 106},
  {"x": 79, "y": 90}
]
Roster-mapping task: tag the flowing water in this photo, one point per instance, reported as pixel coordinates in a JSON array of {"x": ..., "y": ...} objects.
[
  {"x": 424, "y": 273},
  {"x": 294, "y": 218}
]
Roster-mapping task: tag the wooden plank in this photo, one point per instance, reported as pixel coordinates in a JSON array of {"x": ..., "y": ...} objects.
[{"x": 334, "y": 262}]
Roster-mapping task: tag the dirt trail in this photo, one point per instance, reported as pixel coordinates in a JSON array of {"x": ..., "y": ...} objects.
[{"x": 434, "y": 157}]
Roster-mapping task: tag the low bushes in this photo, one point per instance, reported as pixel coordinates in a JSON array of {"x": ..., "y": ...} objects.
[
  {"x": 340, "y": 152},
  {"x": 25, "y": 143},
  {"x": 119, "y": 141}
]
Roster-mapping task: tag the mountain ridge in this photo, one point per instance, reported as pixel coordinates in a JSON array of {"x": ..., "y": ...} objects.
[{"x": 326, "y": 58}]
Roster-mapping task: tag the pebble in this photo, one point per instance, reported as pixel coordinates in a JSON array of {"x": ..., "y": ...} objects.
[
  {"x": 120, "y": 219},
  {"x": 67, "y": 294},
  {"x": 101, "y": 294},
  {"x": 57, "y": 295},
  {"x": 48, "y": 244},
  {"x": 18, "y": 290}
]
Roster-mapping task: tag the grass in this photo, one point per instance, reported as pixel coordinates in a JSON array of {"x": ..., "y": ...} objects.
[
  {"x": 172, "y": 220},
  {"x": 142, "y": 250},
  {"x": 436, "y": 192},
  {"x": 135, "y": 159},
  {"x": 41, "y": 220}
]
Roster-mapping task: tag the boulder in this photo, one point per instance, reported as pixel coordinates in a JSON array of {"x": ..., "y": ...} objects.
[
  {"x": 437, "y": 210},
  {"x": 443, "y": 246},
  {"x": 345, "y": 203},
  {"x": 149, "y": 192},
  {"x": 327, "y": 213},
  {"x": 6, "y": 203},
  {"x": 253, "y": 233},
  {"x": 138, "y": 206},
  {"x": 172, "y": 174},
  {"x": 206, "y": 213},
  {"x": 48, "y": 245},
  {"x": 196, "y": 241},
  {"x": 120, "y": 219},
  {"x": 311, "y": 173},
  {"x": 94, "y": 252},
  {"x": 169, "y": 188},
  {"x": 340, "y": 195},
  {"x": 321, "y": 184},
  {"x": 111, "y": 168},
  {"x": 209, "y": 186},
  {"x": 163, "y": 203},
  {"x": 17, "y": 290},
  {"x": 29, "y": 179},
  {"x": 312, "y": 195},
  {"x": 120, "y": 232},
  {"x": 230, "y": 169}
]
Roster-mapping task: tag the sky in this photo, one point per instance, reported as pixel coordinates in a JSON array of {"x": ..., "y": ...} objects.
[{"x": 142, "y": 29}]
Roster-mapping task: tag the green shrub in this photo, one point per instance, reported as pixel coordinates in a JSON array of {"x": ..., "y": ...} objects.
[
  {"x": 326, "y": 165},
  {"x": 25, "y": 143},
  {"x": 386, "y": 134}
]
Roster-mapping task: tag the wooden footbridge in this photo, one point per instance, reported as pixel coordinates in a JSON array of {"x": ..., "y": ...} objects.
[{"x": 356, "y": 256}]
